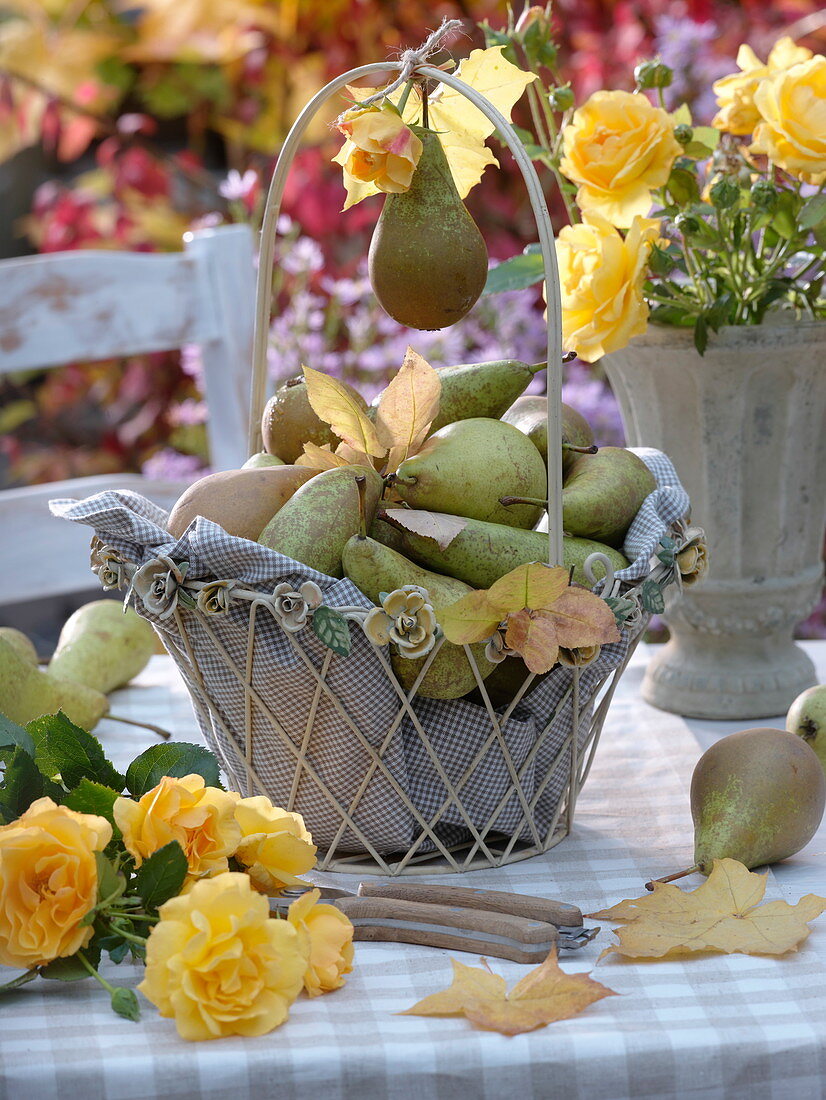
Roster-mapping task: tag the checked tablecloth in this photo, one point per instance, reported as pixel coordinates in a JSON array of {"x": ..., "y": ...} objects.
[{"x": 725, "y": 1027}]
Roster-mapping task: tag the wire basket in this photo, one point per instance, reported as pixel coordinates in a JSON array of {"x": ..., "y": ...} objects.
[{"x": 387, "y": 781}]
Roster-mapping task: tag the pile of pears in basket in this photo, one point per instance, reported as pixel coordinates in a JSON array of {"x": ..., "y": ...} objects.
[{"x": 441, "y": 483}]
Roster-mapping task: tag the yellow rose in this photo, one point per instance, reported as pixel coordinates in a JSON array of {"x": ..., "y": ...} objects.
[
  {"x": 618, "y": 147},
  {"x": 219, "y": 965},
  {"x": 601, "y": 278},
  {"x": 329, "y": 937},
  {"x": 48, "y": 882},
  {"x": 792, "y": 132},
  {"x": 380, "y": 148},
  {"x": 738, "y": 113},
  {"x": 275, "y": 845},
  {"x": 200, "y": 818}
]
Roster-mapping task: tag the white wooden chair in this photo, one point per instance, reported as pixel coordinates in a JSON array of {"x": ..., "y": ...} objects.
[{"x": 93, "y": 305}]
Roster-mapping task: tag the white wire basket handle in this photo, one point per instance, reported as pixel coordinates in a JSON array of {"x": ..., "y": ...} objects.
[{"x": 288, "y": 152}]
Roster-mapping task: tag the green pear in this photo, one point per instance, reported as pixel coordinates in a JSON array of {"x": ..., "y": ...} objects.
[
  {"x": 260, "y": 459},
  {"x": 482, "y": 552},
  {"x": 807, "y": 718},
  {"x": 603, "y": 492},
  {"x": 428, "y": 263},
  {"x": 375, "y": 568},
  {"x": 478, "y": 389},
  {"x": 102, "y": 647},
  {"x": 289, "y": 421},
  {"x": 315, "y": 523},
  {"x": 529, "y": 414},
  {"x": 23, "y": 644},
  {"x": 26, "y": 693},
  {"x": 241, "y": 501},
  {"x": 757, "y": 796},
  {"x": 464, "y": 468}
]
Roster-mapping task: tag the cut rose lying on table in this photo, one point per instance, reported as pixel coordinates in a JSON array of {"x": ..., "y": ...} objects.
[{"x": 176, "y": 876}]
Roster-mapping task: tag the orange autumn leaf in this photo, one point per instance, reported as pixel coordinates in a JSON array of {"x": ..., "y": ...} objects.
[
  {"x": 582, "y": 619},
  {"x": 543, "y": 996},
  {"x": 723, "y": 914},
  {"x": 407, "y": 408},
  {"x": 338, "y": 405},
  {"x": 532, "y": 634}
]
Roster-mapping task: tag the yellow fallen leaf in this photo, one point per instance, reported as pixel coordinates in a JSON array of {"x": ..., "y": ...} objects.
[
  {"x": 543, "y": 996},
  {"x": 407, "y": 408},
  {"x": 535, "y": 586},
  {"x": 339, "y": 406},
  {"x": 320, "y": 458},
  {"x": 353, "y": 456},
  {"x": 470, "y": 619},
  {"x": 723, "y": 914}
]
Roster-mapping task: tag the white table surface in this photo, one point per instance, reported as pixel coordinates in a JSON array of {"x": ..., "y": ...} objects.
[{"x": 721, "y": 1027}]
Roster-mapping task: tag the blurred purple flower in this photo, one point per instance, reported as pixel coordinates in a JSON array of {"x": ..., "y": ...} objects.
[
  {"x": 174, "y": 466},
  {"x": 591, "y": 395},
  {"x": 687, "y": 48},
  {"x": 236, "y": 187}
]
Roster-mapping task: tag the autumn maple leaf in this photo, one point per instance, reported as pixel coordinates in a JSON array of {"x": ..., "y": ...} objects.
[
  {"x": 724, "y": 914},
  {"x": 543, "y": 996}
]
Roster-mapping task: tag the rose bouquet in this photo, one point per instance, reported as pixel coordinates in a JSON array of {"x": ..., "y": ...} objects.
[
  {"x": 694, "y": 226},
  {"x": 174, "y": 874}
]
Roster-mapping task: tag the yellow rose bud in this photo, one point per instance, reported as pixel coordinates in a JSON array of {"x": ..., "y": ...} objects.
[
  {"x": 217, "y": 963},
  {"x": 618, "y": 147},
  {"x": 48, "y": 882},
  {"x": 200, "y": 818},
  {"x": 381, "y": 149},
  {"x": 792, "y": 132},
  {"x": 329, "y": 938},
  {"x": 601, "y": 278},
  {"x": 738, "y": 113},
  {"x": 275, "y": 846}
]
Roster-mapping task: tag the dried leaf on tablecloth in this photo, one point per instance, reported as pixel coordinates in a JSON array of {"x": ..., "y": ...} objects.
[
  {"x": 338, "y": 405},
  {"x": 723, "y": 915},
  {"x": 543, "y": 996},
  {"x": 407, "y": 408}
]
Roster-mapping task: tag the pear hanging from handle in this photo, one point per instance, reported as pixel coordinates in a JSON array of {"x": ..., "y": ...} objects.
[{"x": 428, "y": 263}]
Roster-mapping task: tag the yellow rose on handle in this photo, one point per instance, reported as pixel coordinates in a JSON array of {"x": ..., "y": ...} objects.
[
  {"x": 275, "y": 846},
  {"x": 601, "y": 279},
  {"x": 48, "y": 882},
  {"x": 219, "y": 965},
  {"x": 328, "y": 934},
  {"x": 200, "y": 818},
  {"x": 618, "y": 148},
  {"x": 792, "y": 131},
  {"x": 380, "y": 149}
]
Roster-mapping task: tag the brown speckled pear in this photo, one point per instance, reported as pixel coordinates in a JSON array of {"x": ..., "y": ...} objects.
[
  {"x": 375, "y": 568},
  {"x": 464, "y": 468},
  {"x": 757, "y": 796},
  {"x": 529, "y": 414},
  {"x": 241, "y": 501},
  {"x": 289, "y": 421},
  {"x": 428, "y": 263},
  {"x": 314, "y": 525}
]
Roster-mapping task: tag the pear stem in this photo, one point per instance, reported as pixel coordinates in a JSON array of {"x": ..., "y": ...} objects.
[
  {"x": 361, "y": 485},
  {"x": 425, "y": 119},
  {"x": 676, "y": 875},
  {"x": 165, "y": 734},
  {"x": 508, "y": 501},
  {"x": 592, "y": 450}
]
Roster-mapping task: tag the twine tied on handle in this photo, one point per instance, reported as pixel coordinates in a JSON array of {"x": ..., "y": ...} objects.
[{"x": 411, "y": 59}]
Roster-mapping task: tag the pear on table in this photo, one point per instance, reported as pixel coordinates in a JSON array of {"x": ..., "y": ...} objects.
[
  {"x": 428, "y": 263},
  {"x": 807, "y": 718},
  {"x": 464, "y": 468},
  {"x": 27, "y": 692},
  {"x": 20, "y": 642},
  {"x": 313, "y": 526},
  {"x": 102, "y": 647}
]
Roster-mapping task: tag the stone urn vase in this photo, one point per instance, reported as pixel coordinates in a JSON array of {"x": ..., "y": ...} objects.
[{"x": 745, "y": 425}]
